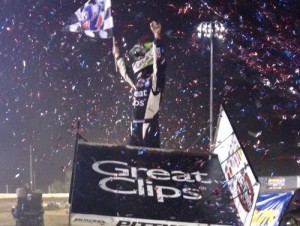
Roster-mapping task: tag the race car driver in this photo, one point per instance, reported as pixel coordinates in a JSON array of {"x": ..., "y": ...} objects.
[{"x": 147, "y": 81}]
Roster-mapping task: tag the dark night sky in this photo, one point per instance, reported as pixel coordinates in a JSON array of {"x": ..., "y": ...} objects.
[{"x": 49, "y": 79}]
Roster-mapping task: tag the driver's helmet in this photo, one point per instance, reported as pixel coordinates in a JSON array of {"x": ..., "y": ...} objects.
[{"x": 139, "y": 50}]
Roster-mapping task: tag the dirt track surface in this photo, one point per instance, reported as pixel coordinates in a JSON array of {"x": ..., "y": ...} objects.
[{"x": 51, "y": 218}]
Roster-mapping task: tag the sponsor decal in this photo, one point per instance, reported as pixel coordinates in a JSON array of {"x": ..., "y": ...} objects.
[
  {"x": 140, "y": 98},
  {"x": 245, "y": 192},
  {"x": 141, "y": 223},
  {"x": 143, "y": 186},
  {"x": 140, "y": 93},
  {"x": 89, "y": 221},
  {"x": 269, "y": 208},
  {"x": 275, "y": 183},
  {"x": 82, "y": 219},
  {"x": 241, "y": 180},
  {"x": 142, "y": 181}
]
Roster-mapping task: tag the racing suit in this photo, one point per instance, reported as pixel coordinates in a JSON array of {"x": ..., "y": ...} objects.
[{"x": 148, "y": 81}]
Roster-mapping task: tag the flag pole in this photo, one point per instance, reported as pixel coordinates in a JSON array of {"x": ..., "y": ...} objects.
[{"x": 114, "y": 45}]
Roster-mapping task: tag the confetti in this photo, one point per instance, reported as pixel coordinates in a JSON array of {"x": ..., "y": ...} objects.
[{"x": 49, "y": 79}]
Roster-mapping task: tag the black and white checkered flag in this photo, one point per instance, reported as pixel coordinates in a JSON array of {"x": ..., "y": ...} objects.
[{"x": 94, "y": 19}]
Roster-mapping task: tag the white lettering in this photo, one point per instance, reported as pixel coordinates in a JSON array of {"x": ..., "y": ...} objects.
[
  {"x": 150, "y": 188},
  {"x": 181, "y": 176},
  {"x": 123, "y": 172},
  {"x": 135, "y": 171},
  {"x": 158, "y": 174},
  {"x": 141, "y": 181},
  {"x": 191, "y": 193},
  {"x": 141, "y": 93},
  {"x": 103, "y": 184},
  {"x": 140, "y": 103},
  {"x": 160, "y": 190}
]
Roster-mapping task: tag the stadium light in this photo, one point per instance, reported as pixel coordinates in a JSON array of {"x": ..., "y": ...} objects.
[{"x": 212, "y": 30}]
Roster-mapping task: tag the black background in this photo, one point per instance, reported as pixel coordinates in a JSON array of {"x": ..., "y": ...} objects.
[{"x": 89, "y": 198}]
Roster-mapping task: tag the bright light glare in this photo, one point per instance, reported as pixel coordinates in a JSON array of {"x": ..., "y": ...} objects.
[{"x": 211, "y": 29}]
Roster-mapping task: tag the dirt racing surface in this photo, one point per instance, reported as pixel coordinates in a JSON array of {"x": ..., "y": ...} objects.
[{"x": 58, "y": 217}]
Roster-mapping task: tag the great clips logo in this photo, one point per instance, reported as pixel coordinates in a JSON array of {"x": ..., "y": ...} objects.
[{"x": 129, "y": 180}]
